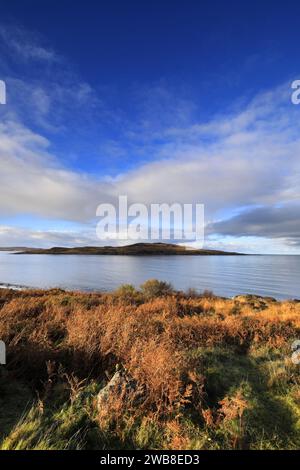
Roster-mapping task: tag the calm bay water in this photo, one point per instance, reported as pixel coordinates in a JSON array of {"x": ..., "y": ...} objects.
[{"x": 277, "y": 276}]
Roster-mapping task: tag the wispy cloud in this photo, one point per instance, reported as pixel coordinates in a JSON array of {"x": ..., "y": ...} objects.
[
  {"x": 18, "y": 236},
  {"x": 25, "y": 45}
]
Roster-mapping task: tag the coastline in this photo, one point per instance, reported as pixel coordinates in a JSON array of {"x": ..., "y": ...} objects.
[{"x": 197, "y": 293}]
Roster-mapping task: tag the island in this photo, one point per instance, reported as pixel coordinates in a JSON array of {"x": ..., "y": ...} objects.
[{"x": 136, "y": 249}]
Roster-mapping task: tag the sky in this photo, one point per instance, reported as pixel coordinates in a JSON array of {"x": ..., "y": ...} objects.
[{"x": 162, "y": 101}]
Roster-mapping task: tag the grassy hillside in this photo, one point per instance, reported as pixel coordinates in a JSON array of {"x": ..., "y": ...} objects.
[
  {"x": 135, "y": 249},
  {"x": 148, "y": 369}
]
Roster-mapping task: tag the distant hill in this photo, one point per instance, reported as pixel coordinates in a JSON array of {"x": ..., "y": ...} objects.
[{"x": 139, "y": 249}]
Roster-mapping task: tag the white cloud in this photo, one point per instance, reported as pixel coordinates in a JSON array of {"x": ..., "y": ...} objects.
[
  {"x": 33, "y": 182},
  {"x": 17, "y": 236},
  {"x": 247, "y": 158}
]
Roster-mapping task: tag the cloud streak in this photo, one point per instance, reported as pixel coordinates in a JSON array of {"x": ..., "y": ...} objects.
[
  {"x": 269, "y": 222},
  {"x": 25, "y": 45}
]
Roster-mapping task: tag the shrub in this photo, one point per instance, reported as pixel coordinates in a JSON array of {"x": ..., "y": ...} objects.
[
  {"x": 192, "y": 293},
  {"x": 154, "y": 288},
  {"x": 208, "y": 294},
  {"x": 128, "y": 294}
]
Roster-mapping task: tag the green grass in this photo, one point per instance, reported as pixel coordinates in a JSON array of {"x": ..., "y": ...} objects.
[{"x": 271, "y": 419}]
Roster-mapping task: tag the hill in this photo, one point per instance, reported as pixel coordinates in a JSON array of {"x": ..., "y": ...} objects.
[{"x": 140, "y": 249}]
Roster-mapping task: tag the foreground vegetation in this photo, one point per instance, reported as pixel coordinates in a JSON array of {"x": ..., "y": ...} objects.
[{"x": 148, "y": 369}]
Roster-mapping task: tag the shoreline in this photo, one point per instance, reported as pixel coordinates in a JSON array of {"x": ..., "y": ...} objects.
[{"x": 197, "y": 293}]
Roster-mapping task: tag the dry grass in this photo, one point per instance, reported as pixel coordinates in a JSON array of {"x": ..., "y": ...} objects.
[{"x": 174, "y": 347}]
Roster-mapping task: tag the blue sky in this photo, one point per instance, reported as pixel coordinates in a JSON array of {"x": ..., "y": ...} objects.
[{"x": 162, "y": 101}]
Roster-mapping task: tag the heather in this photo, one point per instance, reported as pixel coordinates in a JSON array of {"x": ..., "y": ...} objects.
[{"x": 148, "y": 368}]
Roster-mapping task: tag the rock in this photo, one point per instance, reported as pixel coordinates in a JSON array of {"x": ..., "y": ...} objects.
[
  {"x": 119, "y": 383},
  {"x": 256, "y": 302}
]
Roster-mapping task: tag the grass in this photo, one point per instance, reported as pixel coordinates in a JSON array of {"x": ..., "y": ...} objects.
[{"x": 195, "y": 371}]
